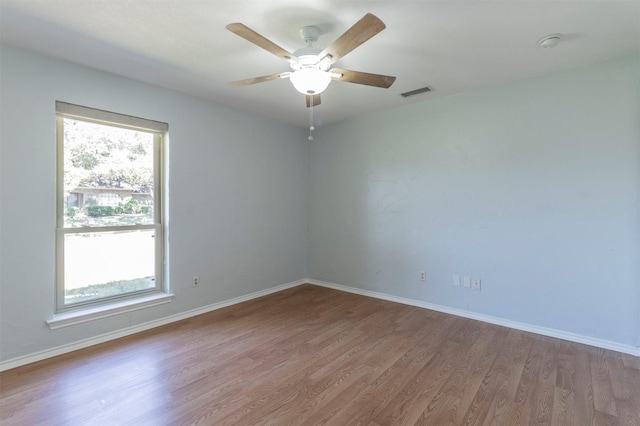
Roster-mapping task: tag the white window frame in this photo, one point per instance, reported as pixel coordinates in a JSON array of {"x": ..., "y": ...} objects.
[{"x": 159, "y": 130}]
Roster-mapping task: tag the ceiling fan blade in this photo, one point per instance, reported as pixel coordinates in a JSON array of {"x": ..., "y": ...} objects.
[
  {"x": 312, "y": 98},
  {"x": 360, "y": 32},
  {"x": 377, "y": 80},
  {"x": 255, "y": 80},
  {"x": 259, "y": 40}
]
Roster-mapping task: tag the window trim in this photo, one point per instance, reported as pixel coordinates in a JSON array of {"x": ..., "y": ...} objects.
[
  {"x": 159, "y": 131},
  {"x": 94, "y": 312}
]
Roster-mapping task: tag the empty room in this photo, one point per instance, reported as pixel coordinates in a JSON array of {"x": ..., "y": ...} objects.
[{"x": 319, "y": 212}]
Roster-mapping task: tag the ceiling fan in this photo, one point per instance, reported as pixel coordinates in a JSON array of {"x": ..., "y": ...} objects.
[{"x": 310, "y": 67}]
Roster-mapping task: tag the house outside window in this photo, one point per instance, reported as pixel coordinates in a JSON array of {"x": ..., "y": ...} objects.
[{"x": 110, "y": 225}]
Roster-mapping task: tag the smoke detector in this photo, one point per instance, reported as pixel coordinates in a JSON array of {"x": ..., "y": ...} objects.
[{"x": 549, "y": 41}]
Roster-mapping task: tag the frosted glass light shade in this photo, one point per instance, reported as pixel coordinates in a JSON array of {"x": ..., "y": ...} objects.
[{"x": 310, "y": 81}]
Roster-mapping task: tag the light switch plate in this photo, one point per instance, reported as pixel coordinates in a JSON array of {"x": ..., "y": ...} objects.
[{"x": 467, "y": 282}]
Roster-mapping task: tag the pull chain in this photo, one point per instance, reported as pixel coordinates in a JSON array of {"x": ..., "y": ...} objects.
[{"x": 312, "y": 127}]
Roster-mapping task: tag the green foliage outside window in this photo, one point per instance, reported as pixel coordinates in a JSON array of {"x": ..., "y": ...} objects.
[{"x": 95, "y": 211}]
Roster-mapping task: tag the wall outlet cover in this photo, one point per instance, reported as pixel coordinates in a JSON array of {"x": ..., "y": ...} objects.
[{"x": 475, "y": 284}]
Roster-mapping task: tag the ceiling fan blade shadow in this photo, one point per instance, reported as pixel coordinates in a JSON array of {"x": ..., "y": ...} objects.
[
  {"x": 358, "y": 77},
  {"x": 360, "y": 32},
  {"x": 255, "y": 80},
  {"x": 312, "y": 100},
  {"x": 259, "y": 40}
]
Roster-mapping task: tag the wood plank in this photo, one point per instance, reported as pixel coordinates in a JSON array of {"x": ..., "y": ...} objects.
[
  {"x": 495, "y": 393},
  {"x": 563, "y": 407},
  {"x": 544, "y": 394},
  {"x": 504, "y": 408},
  {"x": 584, "y": 404},
  {"x": 405, "y": 406},
  {"x": 602, "y": 389}
]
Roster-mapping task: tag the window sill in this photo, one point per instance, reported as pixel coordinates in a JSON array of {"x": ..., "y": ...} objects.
[{"x": 78, "y": 317}]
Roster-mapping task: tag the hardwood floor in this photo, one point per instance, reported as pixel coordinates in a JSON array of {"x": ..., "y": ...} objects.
[{"x": 311, "y": 355}]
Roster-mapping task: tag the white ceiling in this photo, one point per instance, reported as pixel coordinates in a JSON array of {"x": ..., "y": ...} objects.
[{"x": 452, "y": 46}]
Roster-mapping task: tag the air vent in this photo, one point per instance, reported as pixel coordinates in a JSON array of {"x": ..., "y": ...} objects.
[{"x": 416, "y": 92}]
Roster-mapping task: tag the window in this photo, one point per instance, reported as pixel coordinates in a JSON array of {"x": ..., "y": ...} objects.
[
  {"x": 110, "y": 232},
  {"x": 109, "y": 199}
]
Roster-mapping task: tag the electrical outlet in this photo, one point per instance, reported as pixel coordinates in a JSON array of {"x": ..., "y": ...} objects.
[
  {"x": 196, "y": 281},
  {"x": 476, "y": 284},
  {"x": 423, "y": 276},
  {"x": 456, "y": 280}
]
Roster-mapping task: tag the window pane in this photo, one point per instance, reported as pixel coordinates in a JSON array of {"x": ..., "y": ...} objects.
[
  {"x": 106, "y": 264},
  {"x": 108, "y": 175}
]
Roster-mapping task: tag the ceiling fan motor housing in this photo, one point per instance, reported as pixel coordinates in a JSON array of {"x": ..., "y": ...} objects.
[
  {"x": 308, "y": 56},
  {"x": 309, "y": 34}
]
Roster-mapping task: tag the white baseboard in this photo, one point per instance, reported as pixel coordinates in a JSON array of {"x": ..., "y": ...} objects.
[
  {"x": 59, "y": 350},
  {"x": 544, "y": 331}
]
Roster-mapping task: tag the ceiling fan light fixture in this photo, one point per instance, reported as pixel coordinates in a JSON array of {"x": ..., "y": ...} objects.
[
  {"x": 310, "y": 67},
  {"x": 310, "y": 81}
]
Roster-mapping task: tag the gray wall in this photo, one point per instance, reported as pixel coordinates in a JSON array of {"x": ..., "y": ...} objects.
[
  {"x": 532, "y": 186},
  {"x": 238, "y": 197}
]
